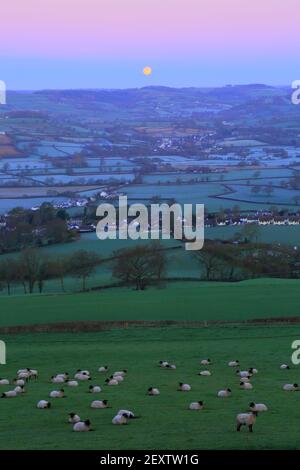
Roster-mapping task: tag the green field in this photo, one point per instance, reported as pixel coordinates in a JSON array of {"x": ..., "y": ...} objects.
[
  {"x": 165, "y": 422},
  {"x": 185, "y": 301}
]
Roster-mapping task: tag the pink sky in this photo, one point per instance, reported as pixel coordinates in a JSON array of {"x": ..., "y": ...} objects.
[{"x": 182, "y": 39}]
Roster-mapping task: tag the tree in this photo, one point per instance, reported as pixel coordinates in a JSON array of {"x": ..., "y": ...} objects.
[
  {"x": 8, "y": 273},
  {"x": 82, "y": 264},
  {"x": 30, "y": 262},
  {"x": 210, "y": 261},
  {"x": 250, "y": 233},
  {"x": 139, "y": 266}
]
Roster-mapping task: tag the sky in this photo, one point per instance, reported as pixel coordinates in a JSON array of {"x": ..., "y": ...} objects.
[{"x": 106, "y": 43}]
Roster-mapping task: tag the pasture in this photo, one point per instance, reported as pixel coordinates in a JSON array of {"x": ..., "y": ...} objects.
[
  {"x": 165, "y": 421},
  {"x": 181, "y": 301}
]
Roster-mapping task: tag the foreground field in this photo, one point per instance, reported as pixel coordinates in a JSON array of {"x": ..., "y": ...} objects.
[
  {"x": 185, "y": 301},
  {"x": 165, "y": 422}
]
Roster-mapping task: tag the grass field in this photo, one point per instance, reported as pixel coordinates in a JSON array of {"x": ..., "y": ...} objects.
[
  {"x": 165, "y": 422},
  {"x": 186, "y": 301}
]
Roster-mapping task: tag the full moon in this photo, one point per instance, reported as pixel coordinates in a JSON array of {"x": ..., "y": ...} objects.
[{"x": 147, "y": 70}]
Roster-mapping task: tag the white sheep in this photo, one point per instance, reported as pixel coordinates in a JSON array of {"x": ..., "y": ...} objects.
[
  {"x": 103, "y": 369},
  {"x": 82, "y": 426},
  {"x": 120, "y": 372},
  {"x": 9, "y": 394},
  {"x": 243, "y": 373},
  {"x": 99, "y": 404},
  {"x": 235, "y": 363},
  {"x": 57, "y": 394},
  {"x": 81, "y": 376},
  {"x": 19, "y": 382},
  {"x": 224, "y": 393},
  {"x": 244, "y": 379},
  {"x": 246, "y": 385},
  {"x": 4, "y": 382},
  {"x": 73, "y": 418},
  {"x": 252, "y": 370},
  {"x": 284, "y": 366},
  {"x": 72, "y": 383},
  {"x": 204, "y": 372},
  {"x": 118, "y": 378},
  {"x": 205, "y": 362},
  {"x": 246, "y": 419},
  {"x": 24, "y": 375},
  {"x": 20, "y": 389},
  {"x": 57, "y": 379},
  {"x": 65, "y": 376},
  {"x": 130, "y": 414},
  {"x": 258, "y": 407},
  {"x": 43, "y": 404},
  {"x": 184, "y": 387},
  {"x": 120, "y": 419},
  {"x": 290, "y": 387},
  {"x": 171, "y": 366},
  {"x": 163, "y": 364},
  {"x": 196, "y": 405},
  {"x": 33, "y": 373},
  {"x": 94, "y": 389},
  {"x": 111, "y": 382},
  {"x": 152, "y": 391}
]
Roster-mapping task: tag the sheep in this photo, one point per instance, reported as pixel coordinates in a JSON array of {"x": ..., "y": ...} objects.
[
  {"x": 72, "y": 383},
  {"x": 118, "y": 378},
  {"x": 20, "y": 389},
  {"x": 65, "y": 376},
  {"x": 94, "y": 389},
  {"x": 111, "y": 382},
  {"x": 33, "y": 373},
  {"x": 19, "y": 382},
  {"x": 284, "y": 366},
  {"x": 57, "y": 393},
  {"x": 81, "y": 376},
  {"x": 73, "y": 418},
  {"x": 99, "y": 404},
  {"x": 246, "y": 385},
  {"x": 84, "y": 372},
  {"x": 184, "y": 387},
  {"x": 243, "y": 373},
  {"x": 103, "y": 369},
  {"x": 120, "y": 419},
  {"x": 57, "y": 379},
  {"x": 122, "y": 373},
  {"x": 196, "y": 405},
  {"x": 244, "y": 379},
  {"x": 235, "y": 363},
  {"x": 163, "y": 364},
  {"x": 290, "y": 387},
  {"x": 130, "y": 414},
  {"x": 224, "y": 393},
  {"x": 252, "y": 370},
  {"x": 9, "y": 394},
  {"x": 22, "y": 371},
  {"x": 205, "y": 362},
  {"x": 152, "y": 391},
  {"x": 258, "y": 407},
  {"x": 4, "y": 382},
  {"x": 246, "y": 419},
  {"x": 24, "y": 375},
  {"x": 82, "y": 426},
  {"x": 204, "y": 372},
  {"x": 43, "y": 404},
  {"x": 170, "y": 366}
]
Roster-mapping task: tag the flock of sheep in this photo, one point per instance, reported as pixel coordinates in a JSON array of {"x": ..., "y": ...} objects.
[{"x": 123, "y": 416}]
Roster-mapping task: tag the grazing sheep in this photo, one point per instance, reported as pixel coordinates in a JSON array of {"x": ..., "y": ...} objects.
[
  {"x": 65, "y": 376},
  {"x": 19, "y": 382},
  {"x": 224, "y": 393},
  {"x": 111, "y": 382},
  {"x": 24, "y": 375},
  {"x": 9, "y": 394},
  {"x": 82, "y": 426},
  {"x": 23, "y": 371},
  {"x": 290, "y": 387},
  {"x": 246, "y": 419},
  {"x": 118, "y": 378},
  {"x": 163, "y": 364},
  {"x": 120, "y": 419},
  {"x": 170, "y": 366},
  {"x": 205, "y": 362},
  {"x": 43, "y": 404},
  {"x": 57, "y": 379},
  {"x": 284, "y": 366},
  {"x": 243, "y": 373},
  {"x": 184, "y": 387},
  {"x": 204, "y": 372},
  {"x": 246, "y": 385},
  {"x": 153, "y": 391},
  {"x": 84, "y": 372},
  {"x": 244, "y": 379},
  {"x": 33, "y": 373},
  {"x": 73, "y": 418},
  {"x": 122, "y": 373},
  {"x": 81, "y": 376},
  {"x": 72, "y": 383},
  {"x": 103, "y": 369},
  {"x": 20, "y": 389},
  {"x": 252, "y": 370},
  {"x": 196, "y": 405},
  {"x": 258, "y": 407},
  {"x": 57, "y": 394},
  {"x": 235, "y": 363},
  {"x": 4, "y": 382},
  {"x": 99, "y": 404},
  {"x": 94, "y": 389},
  {"x": 130, "y": 414}
]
